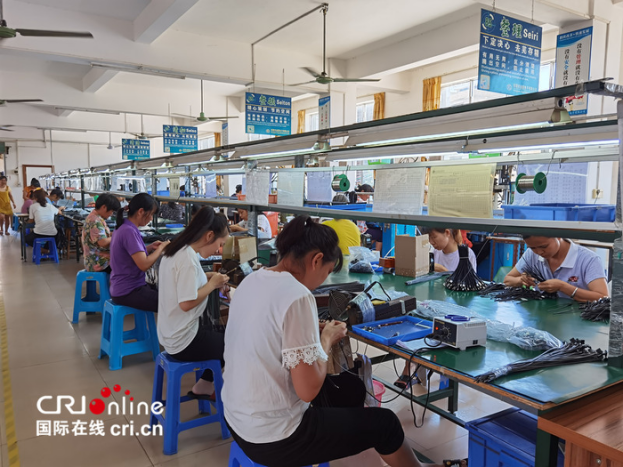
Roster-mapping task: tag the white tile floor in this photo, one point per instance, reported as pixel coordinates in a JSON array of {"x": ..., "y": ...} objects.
[{"x": 49, "y": 355}]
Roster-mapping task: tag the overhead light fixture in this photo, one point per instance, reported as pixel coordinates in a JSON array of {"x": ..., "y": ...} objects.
[
  {"x": 578, "y": 144},
  {"x": 307, "y": 95},
  {"x": 378, "y": 157},
  {"x": 75, "y": 130},
  {"x": 139, "y": 69}
]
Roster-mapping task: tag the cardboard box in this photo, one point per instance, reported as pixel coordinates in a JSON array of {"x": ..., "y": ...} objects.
[
  {"x": 240, "y": 248},
  {"x": 412, "y": 255}
]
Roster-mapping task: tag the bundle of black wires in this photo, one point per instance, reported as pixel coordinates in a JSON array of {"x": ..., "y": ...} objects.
[
  {"x": 572, "y": 352},
  {"x": 501, "y": 293},
  {"x": 599, "y": 310},
  {"x": 464, "y": 279}
]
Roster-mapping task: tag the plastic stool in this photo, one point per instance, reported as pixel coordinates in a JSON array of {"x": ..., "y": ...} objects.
[
  {"x": 15, "y": 223},
  {"x": 171, "y": 424},
  {"x": 92, "y": 301},
  {"x": 37, "y": 256},
  {"x": 113, "y": 342},
  {"x": 237, "y": 458}
]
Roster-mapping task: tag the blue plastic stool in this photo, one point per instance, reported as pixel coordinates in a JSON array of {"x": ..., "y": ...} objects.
[
  {"x": 171, "y": 424},
  {"x": 37, "y": 256},
  {"x": 237, "y": 458},
  {"x": 113, "y": 342},
  {"x": 92, "y": 301}
]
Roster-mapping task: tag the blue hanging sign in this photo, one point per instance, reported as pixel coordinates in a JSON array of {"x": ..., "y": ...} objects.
[
  {"x": 135, "y": 149},
  {"x": 179, "y": 139},
  {"x": 510, "y": 55},
  {"x": 268, "y": 115}
]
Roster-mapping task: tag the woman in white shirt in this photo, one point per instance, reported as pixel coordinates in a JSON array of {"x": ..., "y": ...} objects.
[
  {"x": 276, "y": 359},
  {"x": 42, "y": 213},
  {"x": 264, "y": 231},
  {"x": 183, "y": 295}
]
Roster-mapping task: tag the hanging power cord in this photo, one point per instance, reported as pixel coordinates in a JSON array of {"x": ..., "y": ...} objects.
[{"x": 464, "y": 278}]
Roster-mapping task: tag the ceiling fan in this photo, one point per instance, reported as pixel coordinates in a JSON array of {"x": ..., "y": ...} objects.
[
  {"x": 143, "y": 135},
  {"x": 7, "y": 32},
  {"x": 324, "y": 78},
  {"x": 110, "y": 146},
  {"x": 6, "y": 127},
  {"x": 4, "y": 102},
  {"x": 202, "y": 117}
]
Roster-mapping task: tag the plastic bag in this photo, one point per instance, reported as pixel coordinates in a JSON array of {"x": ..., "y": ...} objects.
[
  {"x": 526, "y": 338},
  {"x": 361, "y": 259}
]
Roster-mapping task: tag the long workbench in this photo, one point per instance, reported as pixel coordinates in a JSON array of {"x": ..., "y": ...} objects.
[{"x": 538, "y": 391}]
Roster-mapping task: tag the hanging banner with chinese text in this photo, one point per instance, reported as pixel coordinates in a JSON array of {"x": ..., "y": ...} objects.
[
  {"x": 268, "y": 115},
  {"x": 135, "y": 149},
  {"x": 573, "y": 60},
  {"x": 510, "y": 55},
  {"x": 324, "y": 113},
  {"x": 179, "y": 139}
]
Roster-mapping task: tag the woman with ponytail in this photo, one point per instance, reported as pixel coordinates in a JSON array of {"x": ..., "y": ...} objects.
[
  {"x": 446, "y": 244},
  {"x": 184, "y": 292},
  {"x": 276, "y": 360},
  {"x": 130, "y": 258}
]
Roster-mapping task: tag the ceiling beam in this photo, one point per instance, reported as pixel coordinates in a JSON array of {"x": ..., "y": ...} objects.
[
  {"x": 157, "y": 17},
  {"x": 96, "y": 78}
]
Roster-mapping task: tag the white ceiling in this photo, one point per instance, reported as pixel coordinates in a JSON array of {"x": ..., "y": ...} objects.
[
  {"x": 351, "y": 24},
  {"x": 121, "y": 9}
]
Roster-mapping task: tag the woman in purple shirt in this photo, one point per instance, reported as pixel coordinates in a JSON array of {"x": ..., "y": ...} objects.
[{"x": 129, "y": 258}]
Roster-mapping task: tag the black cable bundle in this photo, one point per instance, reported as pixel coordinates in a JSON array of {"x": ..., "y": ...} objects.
[
  {"x": 464, "y": 279},
  {"x": 575, "y": 351},
  {"x": 501, "y": 293},
  {"x": 534, "y": 273},
  {"x": 599, "y": 310}
]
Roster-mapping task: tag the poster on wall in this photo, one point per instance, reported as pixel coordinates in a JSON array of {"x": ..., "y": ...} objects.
[
  {"x": 324, "y": 113},
  {"x": 510, "y": 54},
  {"x": 179, "y": 139},
  {"x": 135, "y": 149},
  {"x": 573, "y": 62},
  {"x": 268, "y": 115}
]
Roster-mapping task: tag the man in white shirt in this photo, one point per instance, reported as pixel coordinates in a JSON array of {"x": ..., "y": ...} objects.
[{"x": 264, "y": 231}]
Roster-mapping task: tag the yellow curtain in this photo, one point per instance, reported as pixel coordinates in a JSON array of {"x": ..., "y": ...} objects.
[
  {"x": 301, "y": 124},
  {"x": 432, "y": 93},
  {"x": 379, "y": 106},
  {"x": 217, "y": 140}
]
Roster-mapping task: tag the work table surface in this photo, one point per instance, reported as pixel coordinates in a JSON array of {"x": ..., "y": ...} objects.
[{"x": 553, "y": 385}]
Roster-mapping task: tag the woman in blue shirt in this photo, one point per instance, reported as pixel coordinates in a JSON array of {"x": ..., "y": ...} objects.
[{"x": 570, "y": 270}]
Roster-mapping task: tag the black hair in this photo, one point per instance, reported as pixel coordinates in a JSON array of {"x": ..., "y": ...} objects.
[
  {"x": 34, "y": 182},
  {"x": 238, "y": 188},
  {"x": 172, "y": 204},
  {"x": 140, "y": 201},
  {"x": 206, "y": 220},
  {"x": 57, "y": 192},
  {"x": 302, "y": 235},
  {"x": 111, "y": 202},
  {"x": 340, "y": 198},
  {"x": 365, "y": 188},
  {"x": 3, "y": 177},
  {"x": 194, "y": 209},
  {"x": 40, "y": 196}
]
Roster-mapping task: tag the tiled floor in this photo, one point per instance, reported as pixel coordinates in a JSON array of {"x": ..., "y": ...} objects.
[{"x": 50, "y": 356}]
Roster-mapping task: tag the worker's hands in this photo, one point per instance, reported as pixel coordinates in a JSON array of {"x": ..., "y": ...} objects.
[
  {"x": 332, "y": 332},
  {"x": 218, "y": 281},
  {"x": 61, "y": 209},
  {"x": 551, "y": 286},
  {"x": 158, "y": 246},
  {"x": 14, "y": 205},
  {"x": 235, "y": 228},
  {"x": 526, "y": 280}
]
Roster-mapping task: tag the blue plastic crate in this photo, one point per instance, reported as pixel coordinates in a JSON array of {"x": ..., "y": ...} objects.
[
  {"x": 407, "y": 327},
  {"x": 504, "y": 439},
  {"x": 174, "y": 226},
  {"x": 562, "y": 212}
]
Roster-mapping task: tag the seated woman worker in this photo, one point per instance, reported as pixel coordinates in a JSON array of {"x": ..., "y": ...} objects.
[{"x": 570, "y": 270}]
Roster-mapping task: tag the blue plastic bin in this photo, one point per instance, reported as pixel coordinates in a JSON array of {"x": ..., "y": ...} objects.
[
  {"x": 174, "y": 226},
  {"x": 562, "y": 212},
  {"x": 504, "y": 439}
]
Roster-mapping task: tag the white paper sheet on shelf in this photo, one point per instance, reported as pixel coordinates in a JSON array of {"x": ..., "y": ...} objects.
[
  {"x": 399, "y": 191},
  {"x": 319, "y": 187},
  {"x": 290, "y": 188},
  {"x": 258, "y": 186},
  {"x": 461, "y": 191},
  {"x": 565, "y": 184}
]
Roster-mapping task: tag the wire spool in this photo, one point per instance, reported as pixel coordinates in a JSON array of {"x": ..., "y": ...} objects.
[
  {"x": 527, "y": 183},
  {"x": 340, "y": 183}
]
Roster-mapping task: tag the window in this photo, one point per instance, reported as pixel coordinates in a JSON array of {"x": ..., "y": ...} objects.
[
  {"x": 256, "y": 137},
  {"x": 206, "y": 143},
  {"x": 365, "y": 112},
  {"x": 311, "y": 121},
  {"x": 467, "y": 92}
]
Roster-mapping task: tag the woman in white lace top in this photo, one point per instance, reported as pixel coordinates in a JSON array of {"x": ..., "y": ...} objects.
[{"x": 276, "y": 360}]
